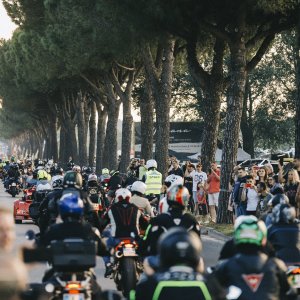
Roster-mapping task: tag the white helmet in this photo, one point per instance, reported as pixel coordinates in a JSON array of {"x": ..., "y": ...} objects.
[
  {"x": 172, "y": 180},
  {"x": 123, "y": 194},
  {"x": 76, "y": 169},
  {"x": 151, "y": 163},
  {"x": 92, "y": 177},
  {"x": 139, "y": 186}
]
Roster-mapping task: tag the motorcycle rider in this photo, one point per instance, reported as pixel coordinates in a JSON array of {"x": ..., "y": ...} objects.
[
  {"x": 104, "y": 174},
  {"x": 71, "y": 210},
  {"x": 152, "y": 179},
  {"x": 170, "y": 181},
  {"x": 284, "y": 234},
  {"x": 124, "y": 218},
  {"x": 252, "y": 271},
  {"x": 115, "y": 181},
  {"x": 177, "y": 198},
  {"x": 138, "y": 190},
  {"x": 180, "y": 267},
  {"x": 13, "y": 174},
  {"x": 49, "y": 206}
]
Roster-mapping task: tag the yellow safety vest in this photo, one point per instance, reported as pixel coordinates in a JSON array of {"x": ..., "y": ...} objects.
[{"x": 153, "y": 182}]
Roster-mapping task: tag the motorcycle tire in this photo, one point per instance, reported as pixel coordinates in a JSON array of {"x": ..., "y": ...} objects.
[
  {"x": 128, "y": 275},
  {"x": 13, "y": 191}
]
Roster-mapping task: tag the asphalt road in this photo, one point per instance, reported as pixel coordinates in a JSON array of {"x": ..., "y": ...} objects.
[{"x": 212, "y": 244}]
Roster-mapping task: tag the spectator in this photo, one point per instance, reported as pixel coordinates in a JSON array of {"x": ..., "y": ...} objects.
[
  {"x": 264, "y": 198},
  {"x": 198, "y": 177},
  {"x": 239, "y": 206},
  {"x": 7, "y": 229},
  {"x": 291, "y": 187},
  {"x": 188, "y": 183},
  {"x": 250, "y": 195},
  {"x": 202, "y": 204},
  {"x": 213, "y": 190},
  {"x": 269, "y": 169},
  {"x": 141, "y": 171},
  {"x": 270, "y": 182},
  {"x": 277, "y": 187},
  {"x": 262, "y": 174},
  {"x": 176, "y": 169}
]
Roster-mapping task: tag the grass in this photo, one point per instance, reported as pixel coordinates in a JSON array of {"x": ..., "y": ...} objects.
[{"x": 226, "y": 229}]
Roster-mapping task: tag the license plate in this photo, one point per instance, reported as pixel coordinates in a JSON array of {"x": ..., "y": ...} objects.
[
  {"x": 73, "y": 297},
  {"x": 13, "y": 184},
  {"x": 129, "y": 252}
]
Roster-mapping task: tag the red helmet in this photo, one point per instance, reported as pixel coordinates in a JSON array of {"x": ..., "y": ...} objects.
[
  {"x": 178, "y": 194},
  {"x": 123, "y": 194}
]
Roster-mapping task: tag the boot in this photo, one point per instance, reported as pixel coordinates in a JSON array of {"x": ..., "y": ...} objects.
[
  {"x": 200, "y": 219},
  {"x": 206, "y": 219},
  {"x": 212, "y": 212}
]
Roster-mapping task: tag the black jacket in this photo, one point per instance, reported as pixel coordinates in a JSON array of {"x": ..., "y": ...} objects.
[
  {"x": 257, "y": 275},
  {"x": 285, "y": 239},
  {"x": 73, "y": 229},
  {"x": 162, "y": 223}
]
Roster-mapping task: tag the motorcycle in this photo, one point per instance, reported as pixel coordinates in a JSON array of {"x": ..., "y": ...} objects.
[
  {"x": 21, "y": 206},
  {"x": 127, "y": 267},
  {"x": 14, "y": 188},
  {"x": 71, "y": 277}
]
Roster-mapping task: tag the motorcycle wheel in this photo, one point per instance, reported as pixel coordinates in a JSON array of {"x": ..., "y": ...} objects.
[
  {"x": 13, "y": 191},
  {"x": 128, "y": 275}
]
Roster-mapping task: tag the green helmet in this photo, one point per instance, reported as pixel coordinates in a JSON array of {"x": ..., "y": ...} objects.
[{"x": 248, "y": 230}]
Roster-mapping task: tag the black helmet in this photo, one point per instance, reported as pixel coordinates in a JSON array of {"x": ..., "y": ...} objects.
[
  {"x": 283, "y": 214},
  {"x": 278, "y": 199},
  {"x": 72, "y": 179},
  {"x": 179, "y": 247}
]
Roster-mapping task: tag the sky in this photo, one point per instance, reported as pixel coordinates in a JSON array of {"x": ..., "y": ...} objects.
[{"x": 6, "y": 25}]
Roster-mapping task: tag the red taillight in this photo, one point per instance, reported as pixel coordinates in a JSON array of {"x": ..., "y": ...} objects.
[{"x": 73, "y": 288}]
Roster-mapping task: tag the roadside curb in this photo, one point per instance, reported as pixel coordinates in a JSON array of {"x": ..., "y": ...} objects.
[{"x": 214, "y": 233}]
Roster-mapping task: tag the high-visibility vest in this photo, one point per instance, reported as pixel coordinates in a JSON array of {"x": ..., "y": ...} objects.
[{"x": 153, "y": 182}]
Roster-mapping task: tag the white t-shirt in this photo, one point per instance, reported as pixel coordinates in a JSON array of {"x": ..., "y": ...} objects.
[
  {"x": 198, "y": 177},
  {"x": 252, "y": 199}
]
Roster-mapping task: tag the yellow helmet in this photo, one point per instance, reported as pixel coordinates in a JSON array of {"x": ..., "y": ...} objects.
[{"x": 42, "y": 175}]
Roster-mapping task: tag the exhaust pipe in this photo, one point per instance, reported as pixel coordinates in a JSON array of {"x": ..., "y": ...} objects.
[{"x": 119, "y": 254}]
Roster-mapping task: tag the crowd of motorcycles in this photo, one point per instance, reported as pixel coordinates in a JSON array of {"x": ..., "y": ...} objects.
[
  {"x": 72, "y": 259},
  {"x": 71, "y": 275}
]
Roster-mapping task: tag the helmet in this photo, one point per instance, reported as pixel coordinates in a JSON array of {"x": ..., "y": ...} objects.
[
  {"x": 113, "y": 172},
  {"x": 76, "y": 169},
  {"x": 72, "y": 179},
  {"x": 179, "y": 247},
  {"x": 105, "y": 171},
  {"x": 57, "y": 182},
  {"x": 172, "y": 180},
  {"x": 40, "y": 163},
  {"x": 123, "y": 195},
  {"x": 139, "y": 186},
  {"x": 248, "y": 230},
  {"x": 42, "y": 175},
  {"x": 92, "y": 177},
  {"x": 70, "y": 205},
  {"x": 278, "y": 199},
  {"x": 151, "y": 163},
  {"x": 178, "y": 194},
  {"x": 283, "y": 213}
]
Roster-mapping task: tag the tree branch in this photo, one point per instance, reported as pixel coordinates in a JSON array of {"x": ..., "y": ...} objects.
[
  {"x": 217, "y": 32},
  {"x": 260, "y": 53}
]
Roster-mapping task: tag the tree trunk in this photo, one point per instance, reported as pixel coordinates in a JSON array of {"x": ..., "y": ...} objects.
[
  {"x": 110, "y": 146},
  {"x": 147, "y": 123},
  {"x": 297, "y": 117},
  {"x": 161, "y": 88},
  {"x": 233, "y": 118},
  {"x": 126, "y": 134},
  {"x": 82, "y": 129},
  {"x": 63, "y": 155},
  {"x": 212, "y": 86},
  {"x": 92, "y": 127},
  {"x": 102, "y": 116},
  {"x": 246, "y": 122}
]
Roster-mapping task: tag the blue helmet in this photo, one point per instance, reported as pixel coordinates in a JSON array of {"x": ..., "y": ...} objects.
[{"x": 70, "y": 205}]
